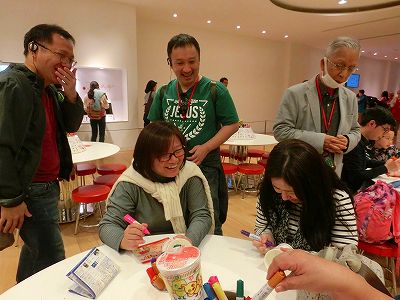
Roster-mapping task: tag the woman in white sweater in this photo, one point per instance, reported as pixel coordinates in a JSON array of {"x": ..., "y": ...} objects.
[{"x": 302, "y": 201}]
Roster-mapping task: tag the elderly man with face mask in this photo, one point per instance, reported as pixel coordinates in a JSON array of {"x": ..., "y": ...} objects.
[{"x": 321, "y": 111}]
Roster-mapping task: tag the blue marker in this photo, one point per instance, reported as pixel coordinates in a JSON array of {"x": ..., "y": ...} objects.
[{"x": 209, "y": 291}]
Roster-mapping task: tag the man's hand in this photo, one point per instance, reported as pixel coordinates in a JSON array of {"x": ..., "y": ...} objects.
[
  {"x": 13, "y": 217},
  {"x": 67, "y": 79},
  {"x": 198, "y": 153},
  {"x": 335, "y": 144}
]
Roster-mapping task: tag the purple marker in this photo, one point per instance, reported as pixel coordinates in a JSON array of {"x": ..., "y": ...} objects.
[
  {"x": 131, "y": 220},
  {"x": 256, "y": 238}
]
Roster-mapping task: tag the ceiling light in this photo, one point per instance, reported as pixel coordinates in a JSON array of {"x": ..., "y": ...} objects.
[
  {"x": 342, "y": 2},
  {"x": 286, "y": 36},
  {"x": 175, "y": 15},
  {"x": 209, "y": 22},
  {"x": 362, "y": 51},
  {"x": 376, "y": 53},
  {"x": 264, "y": 32},
  {"x": 238, "y": 27},
  {"x": 385, "y": 56},
  {"x": 396, "y": 58}
]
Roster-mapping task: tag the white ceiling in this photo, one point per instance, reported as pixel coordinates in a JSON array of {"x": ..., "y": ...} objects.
[{"x": 378, "y": 30}]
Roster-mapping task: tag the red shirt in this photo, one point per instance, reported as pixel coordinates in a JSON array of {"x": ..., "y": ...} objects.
[{"x": 49, "y": 165}]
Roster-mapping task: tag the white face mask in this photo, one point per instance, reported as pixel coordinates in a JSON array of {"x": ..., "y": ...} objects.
[{"x": 327, "y": 79}]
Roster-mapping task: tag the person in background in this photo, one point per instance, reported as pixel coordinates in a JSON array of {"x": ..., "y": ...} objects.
[
  {"x": 384, "y": 100},
  {"x": 362, "y": 103},
  {"x": 34, "y": 152},
  {"x": 321, "y": 111},
  {"x": 224, "y": 81},
  {"x": 315, "y": 274},
  {"x": 95, "y": 104},
  {"x": 395, "y": 108},
  {"x": 383, "y": 148},
  {"x": 150, "y": 90},
  {"x": 161, "y": 190},
  {"x": 204, "y": 112},
  {"x": 374, "y": 124},
  {"x": 302, "y": 201}
]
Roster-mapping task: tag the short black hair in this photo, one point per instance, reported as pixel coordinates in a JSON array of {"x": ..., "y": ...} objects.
[
  {"x": 380, "y": 115},
  {"x": 223, "y": 79},
  {"x": 182, "y": 40},
  {"x": 153, "y": 141},
  {"x": 362, "y": 91},
  {"x": 44, "y": 33}
]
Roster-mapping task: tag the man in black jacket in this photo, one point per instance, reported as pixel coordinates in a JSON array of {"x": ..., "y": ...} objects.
[
  {"x": 34, "y": 151},
  {"x": 375, "y": 122}
]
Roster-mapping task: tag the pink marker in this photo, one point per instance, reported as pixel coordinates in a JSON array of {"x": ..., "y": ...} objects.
[{"x": 131, "y": 220}]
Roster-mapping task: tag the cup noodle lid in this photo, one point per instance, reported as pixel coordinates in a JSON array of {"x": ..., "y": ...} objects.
[{"x": 178, "y": 260}]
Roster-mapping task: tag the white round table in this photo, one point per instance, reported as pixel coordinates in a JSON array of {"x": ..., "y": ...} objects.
[
  {"x": 94, "y": 151},
  {"x": 228, "y": 258}
]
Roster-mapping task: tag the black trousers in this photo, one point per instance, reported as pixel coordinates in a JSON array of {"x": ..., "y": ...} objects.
[{"x": 98, "y": 127}]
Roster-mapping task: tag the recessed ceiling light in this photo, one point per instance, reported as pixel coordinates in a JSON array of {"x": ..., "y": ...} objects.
[
  {"x": 264, "y": 32},
  {"x": 396, "y": 58},
  {"x": 342, "y": 2},
  {"x": 362, "y": 51},
  {"x": 376, "y": 53},
  {"x": 238, "y": 27},
  {"x": 286, "y": 36},
  {"x": 385, "y": 56},
  {"x": 175, "y": 15},
  {"x": 208, "y": 21}
]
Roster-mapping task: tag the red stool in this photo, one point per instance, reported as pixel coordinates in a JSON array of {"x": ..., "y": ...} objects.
[
  {"x": 88, "y": 194},
  {"x": 224, "y": 153},
  {"x": 388, "y": 250},
  {"x": 107, "y": 180},
  {"x": 265, "y": 155},
  {"x": 107, "y": 169},
  {"x": 230, "y": 171},
  {"x": 247, "y": 170},
  {"x": 262, "y": 162},
  {"x": 254, "y": 153},
  {"x": 84, "y": 169}
]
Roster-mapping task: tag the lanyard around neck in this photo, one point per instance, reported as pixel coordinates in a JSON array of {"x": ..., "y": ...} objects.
[
  {"x": 327, "y": 123},
  {"x": 183, "y": 116}
]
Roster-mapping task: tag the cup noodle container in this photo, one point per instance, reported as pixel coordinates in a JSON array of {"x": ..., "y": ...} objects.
[
  {"x": 271, "y": 254},
  {"x": 181, "y": 271}
]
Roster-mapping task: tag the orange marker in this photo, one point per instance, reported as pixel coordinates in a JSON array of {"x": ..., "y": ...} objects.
[{"x": 269, "y": 286}]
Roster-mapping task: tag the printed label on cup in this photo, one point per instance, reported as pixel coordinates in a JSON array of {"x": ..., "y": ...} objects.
[
  {"x": 271, "y": 254},
  {"x": 181, "y": 271}
]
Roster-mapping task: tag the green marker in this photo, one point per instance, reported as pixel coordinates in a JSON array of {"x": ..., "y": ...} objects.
[{"x": 239, "y": 290}]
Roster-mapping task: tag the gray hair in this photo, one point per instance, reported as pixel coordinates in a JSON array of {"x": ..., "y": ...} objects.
[{"x": 343, "y": 42}]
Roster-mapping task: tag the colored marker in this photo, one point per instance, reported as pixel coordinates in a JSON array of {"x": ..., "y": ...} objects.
[
  {"x": 239, "y": 290},
  {"x": 209, "y": 291},
  {"x": 131, "y": 220},
  {"x": 214, "y": 282},
  {"x": 256, "y": 238},
  {"x": 269, "y": 286}
]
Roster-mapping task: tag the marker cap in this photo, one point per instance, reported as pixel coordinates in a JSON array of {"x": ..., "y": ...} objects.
[
  {"x": 274, "y": 280},
  {"x": 239, "y": 288}
]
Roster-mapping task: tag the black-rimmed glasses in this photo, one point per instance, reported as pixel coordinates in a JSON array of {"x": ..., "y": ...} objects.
[
  {"x": 63, "y": 58},
  {"x": 167, "y": 156},
  {"x": 341, "y": 67}
]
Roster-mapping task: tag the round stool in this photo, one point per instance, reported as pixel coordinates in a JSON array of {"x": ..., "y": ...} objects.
[
  {"x": 262, "y": 162},
  {"x": 107, "y": 180},
  {"x": 246, "y": 170},
  {"x": 224, "y": 153},
  {"x": 84, "y": 169},
  {"x": 88, "y": 194},
  {"x": 265, "y": 155},
  {"x": 107, "y": 169},
  {"x": 254, "y": 153},
  {"x": 230, "y": 171}
]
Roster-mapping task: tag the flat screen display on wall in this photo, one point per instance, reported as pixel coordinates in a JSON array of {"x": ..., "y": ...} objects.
[{"x": 354, "y": 81}]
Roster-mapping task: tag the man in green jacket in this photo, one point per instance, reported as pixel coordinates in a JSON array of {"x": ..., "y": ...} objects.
[{"x": 34, "y": 150}]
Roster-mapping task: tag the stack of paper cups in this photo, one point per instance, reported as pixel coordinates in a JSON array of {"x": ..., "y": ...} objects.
[{"x": 181, "y": 271}]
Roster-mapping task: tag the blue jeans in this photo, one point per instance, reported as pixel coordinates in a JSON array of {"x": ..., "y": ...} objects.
[{"x": 43, "y": 244}]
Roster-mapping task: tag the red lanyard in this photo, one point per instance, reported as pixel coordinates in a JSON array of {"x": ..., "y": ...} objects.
[
  {"x": 326, "y": 123},
  {"x": 190, "y": 98}
]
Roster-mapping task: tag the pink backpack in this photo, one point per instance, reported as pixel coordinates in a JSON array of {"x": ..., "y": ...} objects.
[{"x": 378, "y": 213}]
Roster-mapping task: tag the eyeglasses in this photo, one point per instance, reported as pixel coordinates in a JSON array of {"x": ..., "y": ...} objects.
[
  {"x": 63, "y": 58},
  {"x": 167, "y": 156},
  {"x": 385, "y": 129},
  {"x": 341, "y": 67}
]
